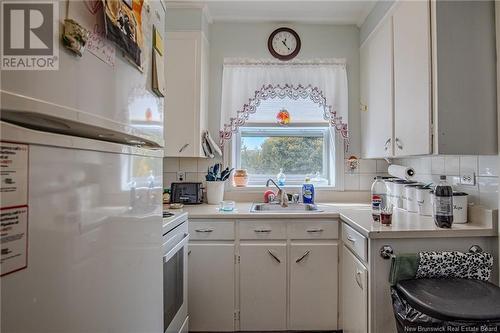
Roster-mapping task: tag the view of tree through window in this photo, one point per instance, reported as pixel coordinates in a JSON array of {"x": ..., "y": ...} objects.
[
  {"x": 296, "y": 155},
  {"x": 299, "y": 155},
  {"x": 302, "y": 148}
]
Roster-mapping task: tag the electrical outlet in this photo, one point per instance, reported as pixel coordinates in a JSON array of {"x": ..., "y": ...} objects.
[
  {"x": 181, "y": 176},
  {"x": 468, "y": 179}
]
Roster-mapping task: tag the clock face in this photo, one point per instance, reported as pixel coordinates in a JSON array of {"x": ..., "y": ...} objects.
[{"x": 284, "y": 43}]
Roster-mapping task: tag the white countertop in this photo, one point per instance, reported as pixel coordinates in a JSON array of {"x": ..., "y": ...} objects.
[
  {"x": 412, "y": 225},
  {"x": 242, "y": 211},
  {"x": 404, "y": 224}
]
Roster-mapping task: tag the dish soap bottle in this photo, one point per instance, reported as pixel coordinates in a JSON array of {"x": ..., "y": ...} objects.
[
  {"x": 308, "y": 192},
  {"x": 281, "y": 178}
]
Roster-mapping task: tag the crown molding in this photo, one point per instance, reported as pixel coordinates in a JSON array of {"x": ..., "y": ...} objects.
[{"x": 191, "y": 5}]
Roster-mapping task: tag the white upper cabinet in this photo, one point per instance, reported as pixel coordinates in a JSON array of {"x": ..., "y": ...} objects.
[
  {"x": 435, "y": 90},
  {"x": 186, "y": 75},
  {"x": 412, "y": 79},
  {"x": 376, "y": 93},
  {"x": 464, "y": 77}
]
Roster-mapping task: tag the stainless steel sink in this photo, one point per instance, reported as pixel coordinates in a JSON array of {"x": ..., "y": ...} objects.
[{"x": 276, "y": 208}]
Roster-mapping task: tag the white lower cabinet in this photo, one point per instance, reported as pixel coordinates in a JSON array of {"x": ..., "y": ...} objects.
[
  {"x": 313, "y": 286},
  {"x": 211, "y": 286},
  {"x": 263, "y": 275},
  {"x": 263, "y": 286},
  {"x": 354, "y": 284}
]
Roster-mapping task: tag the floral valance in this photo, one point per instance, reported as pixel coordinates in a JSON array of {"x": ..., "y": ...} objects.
[{"x": 246, "y": 83}]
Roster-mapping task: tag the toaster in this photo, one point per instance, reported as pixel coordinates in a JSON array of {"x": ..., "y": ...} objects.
[{"x": 186, "y": 193}]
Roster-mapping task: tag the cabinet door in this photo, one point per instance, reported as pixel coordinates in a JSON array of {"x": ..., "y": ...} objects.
[
  {"x": 263, "y": 286},
  {"x": 182, "y": 100},
  {"x": 313, "y": 286},
  {"x": 211, "y": 287},
  {"x": 376, "y": 93},
  {"x": 412, "y": 79},
  {"x": 354, "y": 286}
]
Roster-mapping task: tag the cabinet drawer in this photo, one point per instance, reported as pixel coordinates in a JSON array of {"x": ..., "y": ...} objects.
[
  {"x": 355, "y": 241},
  {"x": 211, "y": 230},
  {"x": 313, "y": 230},
  {"x": 262, "y": 229}
]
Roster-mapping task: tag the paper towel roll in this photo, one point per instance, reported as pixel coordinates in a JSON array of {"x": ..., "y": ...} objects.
[{"x": 400, "y": 171}]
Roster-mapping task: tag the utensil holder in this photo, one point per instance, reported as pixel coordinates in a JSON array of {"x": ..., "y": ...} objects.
[{"x": 215, "y": 192}]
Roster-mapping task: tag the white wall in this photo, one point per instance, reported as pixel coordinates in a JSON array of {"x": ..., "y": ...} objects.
[{"x": 318, "y": 41}]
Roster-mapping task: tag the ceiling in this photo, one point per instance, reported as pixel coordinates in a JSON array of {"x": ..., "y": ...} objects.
[{"x": 326, "y": 11}]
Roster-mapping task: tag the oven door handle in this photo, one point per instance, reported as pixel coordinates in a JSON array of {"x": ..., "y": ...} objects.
[{"x": 176, "y": 248}]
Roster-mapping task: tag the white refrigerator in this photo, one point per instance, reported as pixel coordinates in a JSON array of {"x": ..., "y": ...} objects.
[{"x": 91, "y": 174}]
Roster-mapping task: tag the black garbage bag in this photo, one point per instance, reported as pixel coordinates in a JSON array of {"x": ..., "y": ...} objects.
[{"x": 410, "y": 319}]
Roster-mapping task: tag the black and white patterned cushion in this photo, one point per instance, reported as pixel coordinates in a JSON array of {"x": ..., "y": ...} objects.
[{"x": 454, "y": 264}]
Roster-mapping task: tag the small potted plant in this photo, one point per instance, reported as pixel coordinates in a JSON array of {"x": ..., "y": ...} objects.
[{"x": 216, "y": 178}]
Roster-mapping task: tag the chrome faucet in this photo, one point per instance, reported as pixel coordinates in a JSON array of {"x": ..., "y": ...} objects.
[{"x": 281, "y": 195}]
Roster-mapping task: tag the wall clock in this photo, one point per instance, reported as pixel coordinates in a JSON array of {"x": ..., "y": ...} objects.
[{"x": 284, "y": 44}]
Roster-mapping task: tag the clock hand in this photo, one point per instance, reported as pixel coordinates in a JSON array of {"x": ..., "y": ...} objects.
[{"x": 284, "y": 43}]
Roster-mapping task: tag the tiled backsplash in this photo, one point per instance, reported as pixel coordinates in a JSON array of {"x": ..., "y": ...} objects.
[
  {"x": 485, "y": 168},
  {"x": 196, "y": 169},
  {"x": 428, "y": 169},
  {"x": 361, "y": 179}
]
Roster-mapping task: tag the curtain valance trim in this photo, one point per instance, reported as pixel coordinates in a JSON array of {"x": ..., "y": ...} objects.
[
  {"x": 288, "y": 90},
  {"x": 274, "y": 62}
]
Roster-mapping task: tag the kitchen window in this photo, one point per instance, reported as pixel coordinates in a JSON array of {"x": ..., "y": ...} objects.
[{"x": 303, "y": 148}]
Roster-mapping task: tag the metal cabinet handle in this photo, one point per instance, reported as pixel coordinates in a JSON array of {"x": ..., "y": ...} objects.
[
  {"x": 399, "y": 143},
  {"x": 205, "y": 230},
  {"x": 386, "y": 144},
  {"x": 274, "y": 256},
  {"x": 358, "y": 279},
  {"x": 183, "y": 147},
  {"x": 350, "y": 239},
  {"x": 262, "y": 230},
  {"x": 315, "y": 230},
  {"x": 303, "y": 256}
]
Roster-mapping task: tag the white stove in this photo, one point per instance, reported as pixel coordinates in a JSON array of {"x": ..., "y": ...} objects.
[{"x": 175, "y": 256}]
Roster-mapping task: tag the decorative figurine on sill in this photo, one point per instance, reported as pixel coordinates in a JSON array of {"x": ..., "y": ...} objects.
[
  {"x": 352, "y": 163},
  {"x": 283, "y": 117}
]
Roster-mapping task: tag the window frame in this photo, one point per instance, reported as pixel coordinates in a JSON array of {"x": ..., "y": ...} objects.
[{"x": 331, "y": 156}]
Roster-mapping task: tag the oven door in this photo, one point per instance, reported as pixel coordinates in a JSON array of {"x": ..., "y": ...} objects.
[{"x": 175, "y": 281}]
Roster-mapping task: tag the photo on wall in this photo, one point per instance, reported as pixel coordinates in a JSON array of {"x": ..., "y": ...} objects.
[{"x": 124, "y": 26}]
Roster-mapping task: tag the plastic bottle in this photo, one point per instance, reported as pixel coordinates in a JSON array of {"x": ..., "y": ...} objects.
[
  {"x": 379, "y": 194},
  {"x": 281, "y": 178},
  {"x": 443, "y": 204},
  {"x": 308, "y": 191}
]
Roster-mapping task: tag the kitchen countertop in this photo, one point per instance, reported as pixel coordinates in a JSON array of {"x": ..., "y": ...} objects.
[
  {"x": 404, "y": 224},
  {"x": 411, "y": 225}
]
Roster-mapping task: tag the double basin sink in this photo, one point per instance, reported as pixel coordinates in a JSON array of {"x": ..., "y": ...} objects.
[{"x": 277, "y": 208}]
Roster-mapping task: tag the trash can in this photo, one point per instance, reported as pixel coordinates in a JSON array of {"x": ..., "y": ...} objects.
[{"x": 446, "y": 305}]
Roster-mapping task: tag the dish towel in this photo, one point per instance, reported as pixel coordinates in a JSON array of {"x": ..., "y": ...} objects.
[
  {"x": 403, "y": 267},
  {"x": 441, "y": 265},
  {"x": 210, "y": 148}
]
